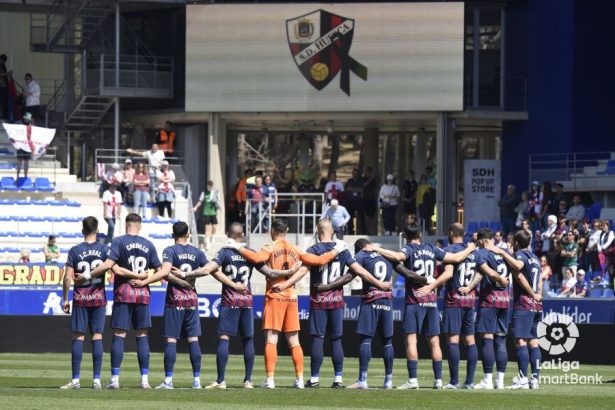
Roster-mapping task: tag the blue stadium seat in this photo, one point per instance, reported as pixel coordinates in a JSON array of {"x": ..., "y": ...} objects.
[
  {"x": 594, "y": 210},
  {"x": 495, "y": 226},
  {"x": 25, "y": 184},
  {"x": 43, "y": 184},
  {"x": 595, "y": 292},
  {"x": 483, "y": 224},
  {"x": 8, "y": 184},
  {"x": 472, "y": 227},
  {"x": 608, "y": 293},
  {"x": 609, "y": 170}
]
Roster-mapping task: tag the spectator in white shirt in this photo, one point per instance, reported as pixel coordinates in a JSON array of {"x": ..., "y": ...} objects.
[
  {"x": 32, "y": 92},
  {"x": 154, "y": 158},
  {"x": 568, "y": 286},
  {"x": 339, "y": 217},
  {"x": 333, "y": 188},
  {"x": 576, "y": 211},
  {"x": 389, "y": 200},
  {"x": 548, "y": 233},
  {"x": 112, "y": 207},
  {"x": 166, "y": 191}
]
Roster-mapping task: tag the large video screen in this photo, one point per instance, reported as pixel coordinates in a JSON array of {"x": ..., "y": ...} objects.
[{"x": 324, "y": 57}]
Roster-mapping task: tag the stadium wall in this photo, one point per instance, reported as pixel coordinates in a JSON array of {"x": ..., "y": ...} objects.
[
  {"x": 569, "y": 80},
  {"x": 49, "y": 334}
]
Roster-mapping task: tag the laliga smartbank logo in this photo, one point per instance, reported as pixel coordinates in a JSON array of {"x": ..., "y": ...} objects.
[{"x": 557, "y": 335}]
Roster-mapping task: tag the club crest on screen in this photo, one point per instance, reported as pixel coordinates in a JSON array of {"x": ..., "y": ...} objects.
[{"x": 320, "y": 44}]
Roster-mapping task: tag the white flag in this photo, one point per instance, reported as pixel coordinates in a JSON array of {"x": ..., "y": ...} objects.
[{"x": 35, "y": 141}]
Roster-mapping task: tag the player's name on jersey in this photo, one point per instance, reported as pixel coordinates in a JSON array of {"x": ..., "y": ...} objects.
[{"x": 39, "y": 275}]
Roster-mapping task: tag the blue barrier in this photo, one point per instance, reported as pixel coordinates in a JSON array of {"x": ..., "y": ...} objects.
[{"x": 31, "y": 301}]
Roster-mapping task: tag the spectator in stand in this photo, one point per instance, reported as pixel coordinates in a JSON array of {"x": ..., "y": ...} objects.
[
  {"x": 51, "y": 250},
  {"x": 606, "y": 248},
  {"x": 546, "y": 207},
  {"x": 255, "y": 196},
  {"x": 128, "y": 176},
  {"x": 24, "y": 255},
  {"x": 499, "y": 240},
  {"x": 112, "y": 209},
  {"x": 210, "y": 199},
  {"x": 239, "y": 196},
  {"x": 166, "y": 137},
  {"x": 32, "y": 93},
  {"x": 547, "y": 235},
  {"x": 523, "y": 209},
  {"x": 154, "y": 159},
  {"x": 334, "y": 189},
  {"x": 545, "y": 275},
  {"x": 562, "y": 228},
  {"x": 270, "y": 194},
  {"x": 580, "y": 288},
  {"x": 536, "y": 197},
  {"x": 4, "y": 87},
  {"x": 570, "y": 252},
  {"x": 562, "y": 209},
  {"x": 409, "y": 191},
  {"x": 370, "y": 201},
  {"x": 431, "y": 176},
  {"x": 525, "y": 225},
  {"x": 558, "y": 194},
  {"x": 339, "y": 217},
  {"x": 141, "y": 184},
  {"x": 507, "y": 205},
  {"x": 285, "y": 185},
  {"x": 389, "y": 201},
  {"x": 165, "y": 193},
  {"x": 568, "y": 285},
  {"x": 576, "y": 211},
  {"x": 592, "y": 248},
  {"x": 354, "y": 198},
  {"x": 23, "y": 157}
]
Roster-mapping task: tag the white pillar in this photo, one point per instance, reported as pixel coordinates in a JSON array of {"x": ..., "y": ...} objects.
[{"x": 216, "y": 147}]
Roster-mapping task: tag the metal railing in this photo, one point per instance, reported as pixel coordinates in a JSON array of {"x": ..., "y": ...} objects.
[
  {"x": 108, "y": 156},
  {"x": 305, "y": 210},
  {"x": 137, "y": 73},
  {"x": 563, "y": 166}
]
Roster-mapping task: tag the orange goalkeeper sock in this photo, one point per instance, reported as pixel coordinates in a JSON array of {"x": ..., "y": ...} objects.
[
  {"x": 297, "y": 354},
  {"x": 271, "y": 357}
]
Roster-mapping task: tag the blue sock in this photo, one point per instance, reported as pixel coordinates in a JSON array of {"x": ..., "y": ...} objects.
[
  {"x": 316, "y": 355},
  {"x": 337, "y": 356},
  {"x": 453, "y": 362},
  {"x": 388, "y": 356},
  {"x": 365, "y": 355},
  {"x": 248, "y": 356},
  {"x": 143, "y": 354},
  {"x": 117, "y": 355},
  {"x": 221, "y": 358},
  {"x": 488, "y": 356},
  {"x": 170, "y": 355},
  {"x": 195, "y": 358},
  {"x": 534, "y": 354},
  {"x": 522, "y": 360},
  {"x": 437, "y": 369},
  {"x": 501, "y": 353},
  {"x": 472, "y": 361},
  {"x": 412, "y": 366},
  {"x": 76, "y": 356},
  {"x": 97, "y": 357}
]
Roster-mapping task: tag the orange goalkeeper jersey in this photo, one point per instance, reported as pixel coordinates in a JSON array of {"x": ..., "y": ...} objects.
[{"x": 281, "y": 255}]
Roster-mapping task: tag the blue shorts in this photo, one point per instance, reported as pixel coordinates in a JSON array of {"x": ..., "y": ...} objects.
[
  {"x": 125, "y": 315},
  {"x": 328, "y": 322},
  {"x": 424, "y": 320},
  {"x": 458, "y": 321},
  {"x": 233, "y": 320},
  {"x": 181, "y": 322},
  {"x": 524, "y": 324},
  {"x": 376, "y": 315},
  {"x": 492, "y": 320},
  {"x": 88, "y": 320}
]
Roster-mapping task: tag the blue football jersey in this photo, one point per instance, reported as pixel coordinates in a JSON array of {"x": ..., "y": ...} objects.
[
  {"x": 83, "y": 258},
  {"x": 381, "y": 269},
  {"x": 186, "y": 258},
  {"x": 421, "y": 259},
  {"x": 331, "y": 299},
  {"x": 239, "y": 270},
  {"x": 531, "y": 273},
  {"x": 463, "y": 273}
]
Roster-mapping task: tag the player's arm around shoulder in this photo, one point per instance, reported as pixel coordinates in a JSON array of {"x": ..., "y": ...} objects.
[
  {"x": 69, "y": 274},
  {"x": 282, "y": 286},
  {"x": 459, "y": 257},
  {"x": 161, "y": 274},
  {"x": 393, "y": 256},
  {"x": 446, "y": 275},
  {"x": 361, "y": 272}
]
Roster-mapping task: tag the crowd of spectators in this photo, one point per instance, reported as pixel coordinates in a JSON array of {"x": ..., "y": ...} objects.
[
  {"x": 574, "y": 251},
  {"x": 14, "y": 103},
  {"x": 355, "y": 203}
]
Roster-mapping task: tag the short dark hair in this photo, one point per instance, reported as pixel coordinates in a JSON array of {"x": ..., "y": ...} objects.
[
  {"x": 180, "y": 229},
  {"x": 412, "y": 231},
  {"x": 3, "y": 57},
  {"x": 259, "y": 173},
  {"x": 28, "y": 75},
  {"x": 360, "y": 244},
  {"x": 90, "y": 225},
  {"x": 456, "y": 230},
  {"x": 235, "y": 230},
  {"x": 279, "y": 225},
  {"x": 522, "y": 238},
  {"x": 133, "y": 218},
  {"x": 51, "y": 238},
  {"x": 485, "y": 233}
]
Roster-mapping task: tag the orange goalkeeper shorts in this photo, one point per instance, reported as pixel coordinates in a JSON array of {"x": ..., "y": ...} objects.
[{"x": 281, "y": 315}]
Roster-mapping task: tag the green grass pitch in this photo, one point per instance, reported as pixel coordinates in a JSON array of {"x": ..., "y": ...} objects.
[{"x": 32, "y": 381}]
